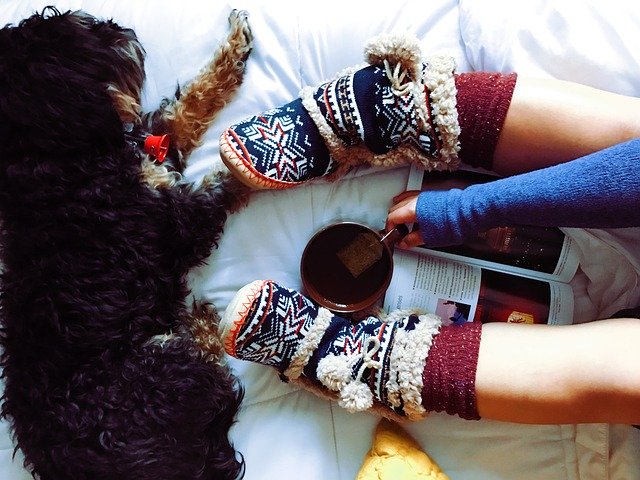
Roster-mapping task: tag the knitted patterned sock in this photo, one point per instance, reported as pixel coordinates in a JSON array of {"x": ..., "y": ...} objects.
[
  {"x": 365, "y": 365},
  {"x": 483, "y": 100},
  {"x": 364, "y": 108},
  {"x": 266, "y": 323},
  {"x": 397, "y": 114},
  {"x": 396, "y": 111},
  {"x": 276, "y": 149},
  {"x": 450, "y": 371}
]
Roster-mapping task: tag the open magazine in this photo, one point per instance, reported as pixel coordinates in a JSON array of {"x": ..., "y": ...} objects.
[{"x": 511, "y": 274}]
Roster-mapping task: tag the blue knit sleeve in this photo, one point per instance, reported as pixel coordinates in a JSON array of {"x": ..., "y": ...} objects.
[{"x": 600, "y": 190}]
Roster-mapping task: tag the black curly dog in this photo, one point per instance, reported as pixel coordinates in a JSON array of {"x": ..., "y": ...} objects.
[{"x": 110, "y": 372}]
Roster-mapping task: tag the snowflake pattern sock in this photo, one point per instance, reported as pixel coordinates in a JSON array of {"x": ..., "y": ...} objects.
[
  {"x": 397, "y": 110},
  {"x": 276, "y": 149},
  {"x": 369, "y": 365}
]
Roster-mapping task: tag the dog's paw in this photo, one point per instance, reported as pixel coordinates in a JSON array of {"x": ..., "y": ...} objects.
[{"x": 241, "y": 31}]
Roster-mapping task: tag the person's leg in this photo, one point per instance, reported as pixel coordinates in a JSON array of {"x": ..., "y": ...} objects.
[
  {"x": 542, "y": 374},
  {"x": 552, "y": 121},
  {"x": 529, "y": 374},
  {"x": 505, "y": 123}
]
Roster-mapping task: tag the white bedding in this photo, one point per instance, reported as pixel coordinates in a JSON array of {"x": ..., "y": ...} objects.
[{"x": 285, "y": 433}]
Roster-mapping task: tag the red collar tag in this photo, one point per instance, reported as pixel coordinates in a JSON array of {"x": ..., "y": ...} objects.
[{"x": 157, "y": 146}]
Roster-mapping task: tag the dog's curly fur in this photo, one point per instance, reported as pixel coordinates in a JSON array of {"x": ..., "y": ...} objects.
[{"x": 104, "y": 374}]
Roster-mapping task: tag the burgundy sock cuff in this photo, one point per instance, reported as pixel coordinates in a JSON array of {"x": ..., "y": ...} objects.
[
  {"x": 449, "y": 377},
  {"x": 483, "y": 100}
]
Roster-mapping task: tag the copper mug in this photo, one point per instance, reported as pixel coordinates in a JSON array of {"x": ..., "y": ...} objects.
[{"x": 326, "y": 279}]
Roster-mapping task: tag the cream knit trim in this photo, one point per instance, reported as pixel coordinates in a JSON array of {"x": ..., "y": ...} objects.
[
  {"x": 439, "y": 80},
  {"x": 404, "y": 49},
  {"x": 406, "y": 366},
  {"x": 346, "y": 157},
  {"x": 408, "y": 358},
  {"x": 309, "y": 344}
]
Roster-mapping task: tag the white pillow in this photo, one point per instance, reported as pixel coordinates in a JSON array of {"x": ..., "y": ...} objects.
[{"x": 583, "y": 41}]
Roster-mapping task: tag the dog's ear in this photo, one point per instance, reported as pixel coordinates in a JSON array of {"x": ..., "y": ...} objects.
[
  {"x": 65, "y": 80},
  {"x": 127, "y": 58}
]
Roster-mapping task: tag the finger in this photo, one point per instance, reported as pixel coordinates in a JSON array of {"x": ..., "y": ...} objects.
[
  {"x": 413, "y": 239},
  {"x": 404, "y": 212},
  {"x": 400, "y": 205},
  {"x": 402, "y": 215},
  {"x": 402, "y": 196}
]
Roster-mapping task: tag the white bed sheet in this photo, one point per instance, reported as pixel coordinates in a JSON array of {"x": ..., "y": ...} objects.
[{"x": 283, "y": 432}]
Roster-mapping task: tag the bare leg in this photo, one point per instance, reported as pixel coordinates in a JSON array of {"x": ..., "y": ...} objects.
[
  {"x": 560, "y": 374},
  {"x": 536, "y": 374},
  {"x": 552, "y": 121}
]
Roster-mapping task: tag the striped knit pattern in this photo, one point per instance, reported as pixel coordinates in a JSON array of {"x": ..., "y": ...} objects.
[
  {"x": 367, "y": 364},
  {"x": 362, "y": 107}
]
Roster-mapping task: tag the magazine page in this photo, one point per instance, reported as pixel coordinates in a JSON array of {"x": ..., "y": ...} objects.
[
  {"x": 540, "y": 252},
  {"x": 460, "y": 292}
]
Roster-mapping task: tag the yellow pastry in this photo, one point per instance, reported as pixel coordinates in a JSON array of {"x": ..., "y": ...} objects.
[{"x": 394, "y": 455}]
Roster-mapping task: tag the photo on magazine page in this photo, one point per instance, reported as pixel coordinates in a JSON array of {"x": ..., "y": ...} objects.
[
  {"x": 461, "y": 292},
  {"x": 511, "y": 299}
]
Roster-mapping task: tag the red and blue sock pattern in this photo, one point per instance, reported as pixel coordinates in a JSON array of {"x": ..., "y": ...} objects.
[
  {"x": 270, "y": 327},
  {"x": 363, "y": 364},
  {"x": 283, "y": 147},
  {"x": 280, "y": 145},
  {"x": 363, "y": 108}
]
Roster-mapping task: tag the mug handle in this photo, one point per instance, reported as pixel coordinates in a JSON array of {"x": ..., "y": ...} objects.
[{"x": 395, "y": 235}]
